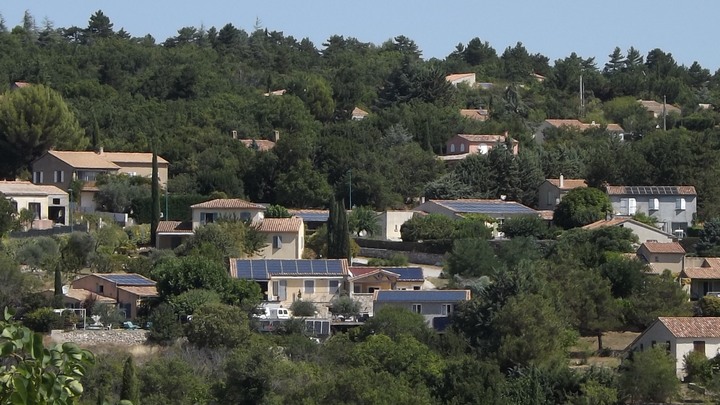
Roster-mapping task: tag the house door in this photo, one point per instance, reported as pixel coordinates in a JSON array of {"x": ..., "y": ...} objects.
[{"x": 282, "y": 290}]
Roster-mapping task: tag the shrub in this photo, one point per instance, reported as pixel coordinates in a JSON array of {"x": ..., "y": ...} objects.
[
  {"x": 218, "y": 325},
  {"x": 397, "y": 260},
  {"x": 345, "y": 306},
  {"x": 708, "y": 306},
  {"x": 303, "y": 308},
  {"x": 165, "y": 327},
  {"x": 43, "y": 320},
  {"x": 697, "y": 367}
]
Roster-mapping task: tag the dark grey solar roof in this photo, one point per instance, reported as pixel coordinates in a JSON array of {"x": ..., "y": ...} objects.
[
  {"x": 655, "y": 190},
  {"x": 128, "y": 279},
  {"x": 421, "y": 295},
  {"x": 482, "y": 207},
  {"x": 406, "y": 273},
  {"x": 262, "y": 269},
  {"x": 312, "y": 216}
]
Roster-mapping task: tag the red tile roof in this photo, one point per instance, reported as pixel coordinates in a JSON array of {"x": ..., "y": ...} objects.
[
  {"x": 357, "y": 112},
  {"x": 484, "y": 138},
  {"x": 692, "y": 327},
  {"x": 17, "y": 188},
  {"x": 140, "y": 291},
  {"x": 263, "y": 145},
  {"x": 660, "y": 247},
  {"x": 701, "y": 273},
  {"x": 475, "y": 114},
  {"x": 270, "y": 225},
  {"x": 568, "y": 184},
  {"x": 174, "y": 227},
  {"x": 558, "y": 123},
  {"x": 457, "y": 76},
  {"x": 228, "y": 203}
]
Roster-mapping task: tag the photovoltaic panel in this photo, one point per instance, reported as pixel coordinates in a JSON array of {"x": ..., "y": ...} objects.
[
  {"x": 421, "y": 296},
  {"x": 304, "y": 267},
  {"x": 128, "y": 279},
  {"x": 263, "y": 269},
  {"x": 407, "y": 273},
  {"x": 488, "y": 207}
]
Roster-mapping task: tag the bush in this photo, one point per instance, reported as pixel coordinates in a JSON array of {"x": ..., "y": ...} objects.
[
  {"x": 165, "y": 327},
  {"x": 528, "y": 226},
  {"x": 708, "y": 306},
  {"x": 345, "y": 306},
  {"x": 397, "y": 260},
  {"x": 43, "y": 320},
  {"x": 697, "y": 367},
  {"x": 218, "y": 325},
  {"x": 303, "y": 308}
]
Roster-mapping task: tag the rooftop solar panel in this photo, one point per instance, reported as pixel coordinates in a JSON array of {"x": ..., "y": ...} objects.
[
  {"x": 421, "y": 295},
  {"x": 312, "y": 217},
  {"x": 651, "y": 190},
  {"x": 407, "y": 273},
  {"x": 263, "y": 269},
  {"x": 128, "y": 279},
  {"x": 488, "y": 207}
]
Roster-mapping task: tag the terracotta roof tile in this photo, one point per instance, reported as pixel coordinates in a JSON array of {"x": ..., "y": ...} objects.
[
  {"x": 11, "y": 188},
  {"x": 262, "y": 144},
  {"x": 547, "y": 215},
  {"x": 457, "y": 76},
  {"x": 568, "y": 184},
  {"x": 104, "y": 160},
  {"x": 559, "y": 123},
  {"x": 660, "y": 247},
  {"x": 610, "y": 222},
  {"x": 701, "y": 273},
  {"x": 657, "y": 108},
  {"x": 130, "y": 157},
  {"x": 174, "y": 227},
  {"x": 484, "y": 138},
  {"x": 356, "y": 271},
  {"x": 270, "y": 225},
  {"x": 475, "y": 114},
  {"x": 228, "y": 203},
  {"x": 140, "y": 291},
  {"x": 81, "y": 294},
  {"x": 692, "y": 327},
  {"x": 357, "y": 112}
]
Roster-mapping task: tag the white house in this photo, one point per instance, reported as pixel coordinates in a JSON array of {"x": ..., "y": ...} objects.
[
  {"x": 210, "y": 211},
  {"x": 644, "y": 232},
  {"x": 48, "y": 203},
  {"x": 673, "y": 207},
  {"x": 681, "y": 335}
]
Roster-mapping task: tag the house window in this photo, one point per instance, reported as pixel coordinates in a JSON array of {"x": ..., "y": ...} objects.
[
  {"x": 654, "y": 204},
  {"x": 462, "y": 147},
  {"x": 309, "y": 286},
  {"x": 416, "y": 287},
  {"x": 334, "y": 286},
  {"x": 58, "y": 176},
  {"x": 100, "y": 289},
  {"x": 680, "y": 204},
  {"x": 446, "y": 309},
  {"x": 550, "y": 198},
  {"x": 207, "y": 217},
  {"x": 632, "y": 206},
  {"x": 357, "y": 288},
  {"x": 667, "y": 345},
  {"x": 452, "y": 148},
  {"x": 56, "y": 201},
  {"x": 277, "y": 242},
  {"x": 35, "y": 209},
  {"x": 417, "y": 308},
  {"x": 37, "y": 177},
  {"x": 245, "y": 216},
  {"x": 699, "y": 346}
]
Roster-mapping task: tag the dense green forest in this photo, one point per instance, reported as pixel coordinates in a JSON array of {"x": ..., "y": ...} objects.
[{"x": 191, "y": 91}]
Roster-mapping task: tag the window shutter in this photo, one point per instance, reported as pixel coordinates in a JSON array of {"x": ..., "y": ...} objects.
[
  {"x": 654, "y": 204},
  {"x": 632, "y": 206},
  {"x": 624, "y": 206},
  {"x": 680, "y": 204}
]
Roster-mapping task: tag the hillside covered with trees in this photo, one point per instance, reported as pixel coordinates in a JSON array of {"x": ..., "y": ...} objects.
[{"x": 189, "y": 92}]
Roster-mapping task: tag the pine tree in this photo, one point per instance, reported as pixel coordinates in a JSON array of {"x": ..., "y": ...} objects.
[
  {"x": 130, "y": 390},
  {"x": 617, "y": 61}
]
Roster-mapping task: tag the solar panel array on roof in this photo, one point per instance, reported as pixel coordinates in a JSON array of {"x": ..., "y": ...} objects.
[
  {"x": 407, "y": 273},
  {"x": 262, "y": 269},
  {"x": 655, "y": 190},
  {"x": 479, "y": 207},
  {"x": 128, "y": 279},
  {"x": 421, "y": 295},
  {"x": 312, "y": 216}
]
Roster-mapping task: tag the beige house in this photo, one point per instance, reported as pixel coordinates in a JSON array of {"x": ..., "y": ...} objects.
[
  {"x": 128, "y": 290},
  {"x": 552, "y": 191},
  {"x": 285, "y": 238},
  {"x": 390, "y": 222},
  {"x": 286, "y": 281},
  {"x": 462, "y": 145},
  {"x": 662, "y": 256},
  {"x": 60, "y": 168},
  {"x": 499, "y": 210},
  {"x": 644, "y": 232},
  {"x": 477, "y": 114},
  {"x": 210, "y": 211},
  {"x": 680, "y": 336},
  {"x": 701, "y": 276},
  {"x": 49, "y": 203},
  {"x": 657, "y": 109},
  {"x": 171, "y": 234}
]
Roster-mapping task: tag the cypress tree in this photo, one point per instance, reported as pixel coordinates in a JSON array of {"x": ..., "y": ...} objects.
[
  {"x": 338, "y": 232},
  {"x": 130, "y": 390},
  {"x": 155, "y": 196}
]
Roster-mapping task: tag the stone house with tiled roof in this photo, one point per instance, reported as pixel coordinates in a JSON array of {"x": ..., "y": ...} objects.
[
  {"x": 285, "y": 238},
  {"x": 60, "y": 168},
  {"x": 552, "y": 191},
  {"x": 701, "y": 276},
  {"x": 210, "y": 211},
  {"x": 657, "y": 109},
  {"x": 661, "y": 256},
  {"x": 477, "y": 114},
  {"x": 680, "y": 336},
  {"x": 463, "y": 145},
  {"x": 673, "y": 207},
  {"x": 573, "y": 124}
]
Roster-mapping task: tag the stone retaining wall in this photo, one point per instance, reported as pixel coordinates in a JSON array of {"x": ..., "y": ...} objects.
[{"x": 413, "y": 257}]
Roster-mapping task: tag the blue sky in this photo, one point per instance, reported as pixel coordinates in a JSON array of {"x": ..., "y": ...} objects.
[{"x": 552, "y": 28}]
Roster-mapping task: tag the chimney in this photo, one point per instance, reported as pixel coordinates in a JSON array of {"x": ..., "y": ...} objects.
[
  {"x": 234, "y": 134},
  {"x": 562, "y": 181},
  {"x": 100, "y": 150},
  {"x": 276, "y": 136}
]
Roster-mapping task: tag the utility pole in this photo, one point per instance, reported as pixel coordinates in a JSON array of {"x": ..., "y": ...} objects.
[
  {"x": 350, "y": 185},
  {"x": 664, "y": 113}
]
